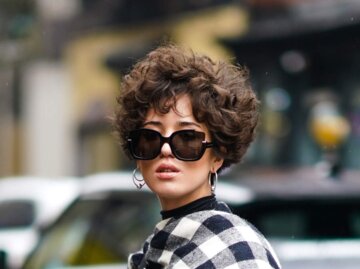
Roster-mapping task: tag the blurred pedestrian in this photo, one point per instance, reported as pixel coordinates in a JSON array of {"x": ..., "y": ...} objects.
[{"x": 184, "y": 118}]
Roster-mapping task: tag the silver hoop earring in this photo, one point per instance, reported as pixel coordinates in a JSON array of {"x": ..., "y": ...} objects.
[
  {"x": 213, "y": 178},
  {"x": 138, "y": 182}
]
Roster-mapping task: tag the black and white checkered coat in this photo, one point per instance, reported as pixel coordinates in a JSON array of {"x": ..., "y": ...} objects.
[{"x": 205, "y": 239}]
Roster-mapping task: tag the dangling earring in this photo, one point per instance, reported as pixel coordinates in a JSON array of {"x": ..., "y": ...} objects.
[
  {"x": 213, "y": 178},
  {"x": 138, "y": 182}
]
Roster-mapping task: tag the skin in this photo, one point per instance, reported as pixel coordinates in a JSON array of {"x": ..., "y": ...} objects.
[{"x": 176, "y": 182}]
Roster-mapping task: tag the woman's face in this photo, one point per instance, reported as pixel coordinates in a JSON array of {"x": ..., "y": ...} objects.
[{"x": 177, "y": 182}]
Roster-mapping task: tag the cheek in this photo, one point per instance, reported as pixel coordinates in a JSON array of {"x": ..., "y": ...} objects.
[
  {"x": 146, "y": 168},
  {"x": 202, "y": 166},
  {"x": 142, "y": 166}
]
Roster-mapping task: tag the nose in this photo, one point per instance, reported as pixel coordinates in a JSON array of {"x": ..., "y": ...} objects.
[{"x": 166, "y": 150}]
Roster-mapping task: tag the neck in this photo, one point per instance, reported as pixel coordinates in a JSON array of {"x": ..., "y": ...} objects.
[
  {"x": 169, "y": 203},
  {"x": 204, "y": 203}
]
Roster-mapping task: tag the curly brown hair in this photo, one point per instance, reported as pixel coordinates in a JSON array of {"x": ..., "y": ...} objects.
[{"x": 221, "y": 96}]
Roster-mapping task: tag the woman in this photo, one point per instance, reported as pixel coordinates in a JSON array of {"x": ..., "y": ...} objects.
[{"x": 184, "y": 118}]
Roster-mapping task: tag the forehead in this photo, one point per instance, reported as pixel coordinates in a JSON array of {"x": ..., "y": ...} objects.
[{"x": 177, "y": 115}]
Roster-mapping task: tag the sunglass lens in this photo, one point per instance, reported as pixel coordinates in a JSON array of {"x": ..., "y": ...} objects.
[
  {"x": 187, "y": 145},
  {"x": 146, "y": 144}
]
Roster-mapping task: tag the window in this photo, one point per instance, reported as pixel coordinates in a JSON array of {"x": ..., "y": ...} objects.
[
  {"x": 100, "y": 230},
  {"x": 16, "y": 213}
]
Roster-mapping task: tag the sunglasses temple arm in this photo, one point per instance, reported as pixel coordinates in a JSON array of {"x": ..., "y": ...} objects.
[{"x": 208, "y": 144}]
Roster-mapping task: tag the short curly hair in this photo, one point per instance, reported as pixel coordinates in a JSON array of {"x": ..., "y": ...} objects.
[{"x": 220, "y": 93}]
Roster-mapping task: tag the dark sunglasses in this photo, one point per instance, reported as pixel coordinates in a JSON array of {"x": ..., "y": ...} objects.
[{"x": 186, "y": 145}]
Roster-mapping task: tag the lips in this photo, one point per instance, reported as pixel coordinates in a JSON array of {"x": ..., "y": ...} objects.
[
  {"x": 165, "y": 168},
  {"x": 166, "y": 171}
]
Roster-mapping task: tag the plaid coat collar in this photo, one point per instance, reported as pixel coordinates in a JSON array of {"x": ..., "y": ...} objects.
[{"x": 205, "y": 239}]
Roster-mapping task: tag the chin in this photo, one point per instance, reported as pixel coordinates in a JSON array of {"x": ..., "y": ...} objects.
[{"x": 172, "y": 192}]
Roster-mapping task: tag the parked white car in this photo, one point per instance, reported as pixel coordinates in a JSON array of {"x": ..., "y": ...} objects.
[
  {"x": 27, "y": 205},
  {"x": 311, "y": 223}
]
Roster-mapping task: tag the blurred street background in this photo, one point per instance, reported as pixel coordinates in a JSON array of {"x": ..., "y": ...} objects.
[{"x": 61, "y": 63}]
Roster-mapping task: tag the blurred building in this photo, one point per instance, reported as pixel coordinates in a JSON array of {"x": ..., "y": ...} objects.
[
  {"x": 304, "y": 59},
  {"x": 62, "y": 64},
  {"x": 56, "y": 118}
]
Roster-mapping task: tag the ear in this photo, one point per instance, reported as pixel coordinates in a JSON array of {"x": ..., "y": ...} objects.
[{"x": 217, "y": 163}]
